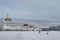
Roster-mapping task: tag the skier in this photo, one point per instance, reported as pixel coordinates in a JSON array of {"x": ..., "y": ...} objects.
[{"x": 39, "y": 30}]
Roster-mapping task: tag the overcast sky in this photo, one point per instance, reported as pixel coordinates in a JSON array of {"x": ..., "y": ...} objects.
[{"x": 31, "y": 9}]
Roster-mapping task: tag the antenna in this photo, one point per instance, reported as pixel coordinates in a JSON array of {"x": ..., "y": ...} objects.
[{"x": 7, "y": 15}]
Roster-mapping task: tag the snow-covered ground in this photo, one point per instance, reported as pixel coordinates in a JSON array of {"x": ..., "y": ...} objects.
[{"x": 25, "y": 35}]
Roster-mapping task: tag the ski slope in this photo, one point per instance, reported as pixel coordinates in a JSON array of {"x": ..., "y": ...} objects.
[{"x": 25, "y": 35}]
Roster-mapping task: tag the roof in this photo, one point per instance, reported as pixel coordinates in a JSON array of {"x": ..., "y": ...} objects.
[{"x": 8, "y": 19}]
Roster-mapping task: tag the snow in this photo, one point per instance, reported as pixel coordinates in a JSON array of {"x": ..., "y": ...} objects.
[{"x": 29, "y": 35}]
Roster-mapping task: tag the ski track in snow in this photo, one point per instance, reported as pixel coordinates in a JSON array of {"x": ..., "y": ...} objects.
[{"x": 25, "y": 35}]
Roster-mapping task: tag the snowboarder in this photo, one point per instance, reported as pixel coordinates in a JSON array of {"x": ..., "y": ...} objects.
[{"x": 47, "y": 32}]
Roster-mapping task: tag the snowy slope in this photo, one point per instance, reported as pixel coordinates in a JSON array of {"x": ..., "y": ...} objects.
[{"x": 21, "y": 35}]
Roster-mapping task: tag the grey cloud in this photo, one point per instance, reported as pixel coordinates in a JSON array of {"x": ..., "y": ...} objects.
[{"x": 37, "y": 9}]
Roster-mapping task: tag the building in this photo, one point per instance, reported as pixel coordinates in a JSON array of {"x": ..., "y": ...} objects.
[{"x": 9, "y": 24}]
